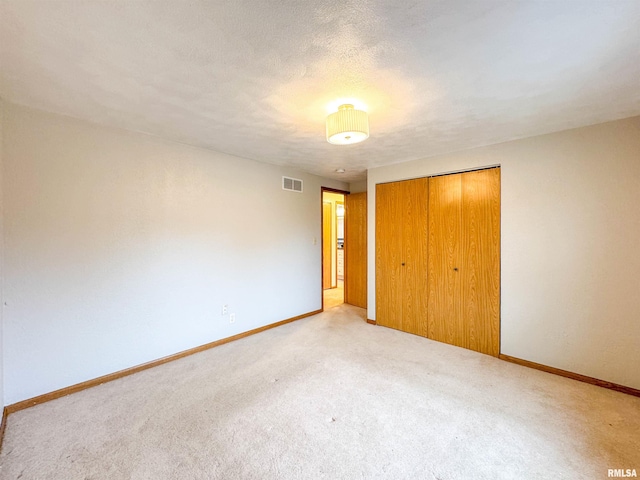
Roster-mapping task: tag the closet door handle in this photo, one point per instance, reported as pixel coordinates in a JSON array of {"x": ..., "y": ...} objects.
[
  {"x": 455, "y": 269},
  {"x": 403, "y": 264}
]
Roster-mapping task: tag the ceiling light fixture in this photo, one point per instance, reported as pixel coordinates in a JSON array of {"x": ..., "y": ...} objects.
[{"x": 347, "y": 126}]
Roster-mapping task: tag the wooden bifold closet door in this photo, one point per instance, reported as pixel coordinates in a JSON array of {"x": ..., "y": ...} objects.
[
  {"x": 401, "y": 255},
  {"x": 464, "y": 260},
  {"x": 449, "y": 226}
]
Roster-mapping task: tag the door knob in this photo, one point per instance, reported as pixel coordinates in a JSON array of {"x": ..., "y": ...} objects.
[
  {"x": 455, "y": 269},
  {"x": 403, "y": 264}
]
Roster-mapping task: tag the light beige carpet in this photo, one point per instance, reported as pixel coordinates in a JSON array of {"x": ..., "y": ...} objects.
[{"x": 329, "y": 397}]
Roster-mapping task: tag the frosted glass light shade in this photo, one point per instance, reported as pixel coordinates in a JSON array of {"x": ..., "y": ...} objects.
[{"x": 347, "y": 126}]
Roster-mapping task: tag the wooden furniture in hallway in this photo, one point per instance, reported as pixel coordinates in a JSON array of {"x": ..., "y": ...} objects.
[{"x": 326, "y": 245}]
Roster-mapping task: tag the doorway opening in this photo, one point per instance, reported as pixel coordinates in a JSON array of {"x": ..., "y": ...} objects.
[{"x": 333, "y": 239}]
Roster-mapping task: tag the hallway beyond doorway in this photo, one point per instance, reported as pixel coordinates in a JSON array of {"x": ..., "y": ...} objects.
[
  {"x": 333, "y": 243},
  {"x": 334, "y": 296}
]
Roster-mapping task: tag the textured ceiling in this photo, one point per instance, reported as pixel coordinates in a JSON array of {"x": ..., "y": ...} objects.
[{"x": 255, "y": 78}]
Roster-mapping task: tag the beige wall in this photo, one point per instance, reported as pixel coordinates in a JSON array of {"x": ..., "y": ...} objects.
[
  {"x": 121, "y": 248},
  {"x": 570, "y": 238},
  {"x": 358, "y": 187},
  {"x": 2, "y": 402}
]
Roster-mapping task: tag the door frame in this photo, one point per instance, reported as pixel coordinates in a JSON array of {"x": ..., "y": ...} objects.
[{"x": 328, "y": 190}]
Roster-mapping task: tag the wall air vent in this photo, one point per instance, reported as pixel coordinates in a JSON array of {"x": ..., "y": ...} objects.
[{"x": 292, "y": 184}]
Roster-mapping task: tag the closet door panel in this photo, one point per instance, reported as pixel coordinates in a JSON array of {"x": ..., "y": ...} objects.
[
  {"x": 446, "y": 322},
  {"x": 415, "y": 195},
  {"x": 388, "y": 256},
  {"x": 481, "y": 260}
]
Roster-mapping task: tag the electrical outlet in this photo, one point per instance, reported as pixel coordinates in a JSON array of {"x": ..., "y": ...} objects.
[
  {"x": 225, "y": 309},
  {"x": 232, "y": 318}
]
